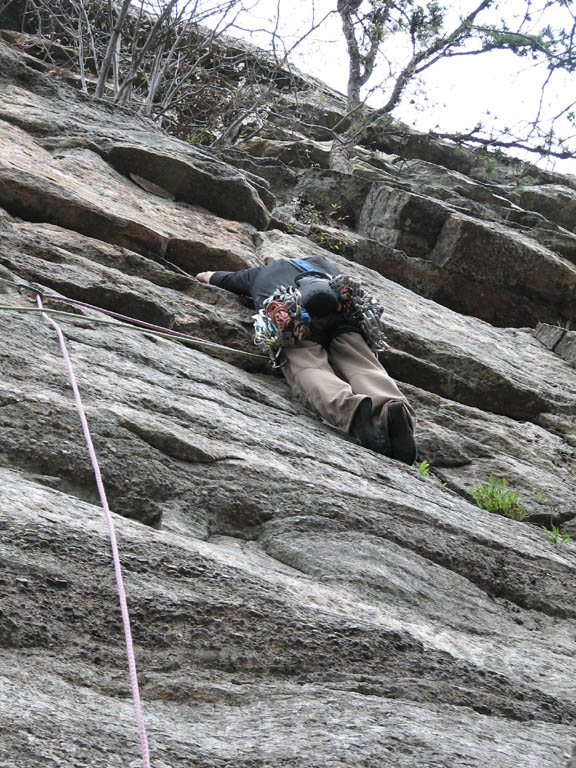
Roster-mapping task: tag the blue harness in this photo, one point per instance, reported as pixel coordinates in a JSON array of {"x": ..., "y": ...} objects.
[{"x": 307, "y": 267}]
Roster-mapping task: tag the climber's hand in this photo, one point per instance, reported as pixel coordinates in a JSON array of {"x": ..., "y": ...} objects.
[{"x": 204, "y": 277}]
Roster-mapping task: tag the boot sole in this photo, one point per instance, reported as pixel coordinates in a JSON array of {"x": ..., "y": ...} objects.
[
  {"x": 402, "y": 443},
  {"x": 367, "y": 433}
]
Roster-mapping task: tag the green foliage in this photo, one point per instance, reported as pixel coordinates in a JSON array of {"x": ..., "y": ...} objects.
[
  {"x": 495, "y": 497},
  {"x": 313, "y": 215},
  {"x": 199, "y": 138},
  {"x": 554, "y": 46},
  {"x": 521, "y": 45},
  {"x": 310, "y": 214},
  {"x": 335, "y": 213},
  {"x": 330, "y": 241},
  {"x": 541, "y": 496},
  {"x": 423, "y": 468},
  {"x": 555, "y": 535},
  {"x": 524, "y": 181},
  {"x": 431, "y": 34},
  {"x": 425, "y": 22},
  {"x": 490, "y": 165},
  {"x": 316, "y": 218}
]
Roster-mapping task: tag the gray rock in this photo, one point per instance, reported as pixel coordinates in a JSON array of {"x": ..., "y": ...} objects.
[
  {"x": 561, "y": 242},
  {"x": 549, "y": 335},
  {"x": 209, "y": 184},
  {"x": 567, "y": 348},
  {"x": 296, "y": 600},
  {"x": 494, "y": 274},
  {"x": 79, "y": 191},
  {"x": 66, "y": 118},
  {"x": 295, "y": 154},
  {"x": 559, "y": 340},
  {"x": 336, "y": 196},
  {"x": 555, "y": 201}
]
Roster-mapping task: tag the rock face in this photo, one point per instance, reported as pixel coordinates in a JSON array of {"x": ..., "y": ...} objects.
[
  {"x": 559, "y": 340},
  {"x": 296, "y": 600}
]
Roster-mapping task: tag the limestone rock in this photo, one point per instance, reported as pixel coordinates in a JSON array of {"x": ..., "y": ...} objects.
[
  {"x": 78, "y": 190},
  {"x": 505, "y": 278},
  {"x": 567, "y": 348},
  {"x": 296, "y": 600},
  {"x": 210, "y": 185},
  {"x": 559, "y": 340},
  {"x": 549, "y": 335},
  {"x": 66, "y": 118},
  {"x": 295, "y": 154},
  {"x": 339, "y": 198},
  {"x": 314, "y": 112},
  {"x": 554, "y": 201},
  {"x": 443, "y": 183}
]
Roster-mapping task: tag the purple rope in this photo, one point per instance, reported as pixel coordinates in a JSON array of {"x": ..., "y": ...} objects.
[
  {"x": 113, "y": 543},
  {"x": 129, "y": 319}
]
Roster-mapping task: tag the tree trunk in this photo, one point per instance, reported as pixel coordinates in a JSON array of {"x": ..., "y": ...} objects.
[{"x": 339, "y": 153}]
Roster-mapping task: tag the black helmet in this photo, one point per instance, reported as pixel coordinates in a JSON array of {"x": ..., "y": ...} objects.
[{"x": 319, "y": 299}]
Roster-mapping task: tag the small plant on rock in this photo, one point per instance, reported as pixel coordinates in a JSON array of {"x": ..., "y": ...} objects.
[
  {"x": 541, "y": 495},
  {"x": 555, "y": 535},
  {"x": 423, "y": 468},
  {"x": 335, "y": 213},
  {"x": 329, "y": 241},
  {"x": 490, "y": 166},
  {"x": 311, "y": 214},
  {"x": 495, "y": 497}
]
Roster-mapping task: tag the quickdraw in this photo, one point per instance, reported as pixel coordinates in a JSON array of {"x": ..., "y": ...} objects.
[
  {"x": 283, "y": 320},
  {"x": 363, "y": 309}
]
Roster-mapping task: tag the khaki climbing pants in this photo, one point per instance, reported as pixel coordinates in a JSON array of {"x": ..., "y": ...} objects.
[{"x": 335, "y": 381}]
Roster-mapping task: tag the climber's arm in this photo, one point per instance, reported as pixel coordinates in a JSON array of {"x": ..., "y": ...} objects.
[{"x": 237, "y": 282}]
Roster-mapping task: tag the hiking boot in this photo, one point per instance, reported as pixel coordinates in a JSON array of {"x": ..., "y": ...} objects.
[
  {"x": 402, "y": 443},
  {"x": 366, "y": 432}
]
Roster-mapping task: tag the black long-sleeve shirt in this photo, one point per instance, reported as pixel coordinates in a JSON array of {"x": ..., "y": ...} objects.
[{"x": 261, "y": 282}]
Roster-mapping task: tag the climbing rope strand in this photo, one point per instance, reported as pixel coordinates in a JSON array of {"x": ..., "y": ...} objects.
[
  {"x": 21, "y": 286},
  {"x": 126, "y": 318},
  {"x": 113, "y": 542},
  {"x": 159, "y": 329},
  {"x": 174, "y": 335}
]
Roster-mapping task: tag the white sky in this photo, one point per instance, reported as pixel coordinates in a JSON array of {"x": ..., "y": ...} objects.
[{"x": 457, "y": 93}]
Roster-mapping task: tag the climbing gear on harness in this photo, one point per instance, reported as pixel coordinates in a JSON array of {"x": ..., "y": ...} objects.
[
  {"x": 361, "y": 308},
  {"x": 285, "y": 316},
  {"x": 281, "y": 321}
]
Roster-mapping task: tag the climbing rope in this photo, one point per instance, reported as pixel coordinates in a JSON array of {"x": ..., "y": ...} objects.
[
  {"x": 167, "y": 333},
  {"x": 143, "y": 327},
  {"x": 113, "y": 542},
  {"x": 135, "y": 324}
]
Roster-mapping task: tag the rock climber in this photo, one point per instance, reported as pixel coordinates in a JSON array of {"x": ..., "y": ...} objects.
[{"x": 323, "y": 329}]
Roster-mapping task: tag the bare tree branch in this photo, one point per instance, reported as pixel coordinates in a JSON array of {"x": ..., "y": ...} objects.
[{"x": 112, "y": 48}]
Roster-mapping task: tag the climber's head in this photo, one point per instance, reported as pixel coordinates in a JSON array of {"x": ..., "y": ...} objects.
[{"x": 318, "y": 297}]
